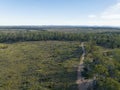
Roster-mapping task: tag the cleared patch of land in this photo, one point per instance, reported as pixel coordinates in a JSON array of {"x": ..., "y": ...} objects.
[{"x": 42, "y": 65}]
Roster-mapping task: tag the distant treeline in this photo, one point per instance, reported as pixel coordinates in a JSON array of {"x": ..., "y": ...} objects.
[
  {"x": 68, "y": 28},
  {"x": 21, "y": 28},
  {"x": 105, "y": 39}
]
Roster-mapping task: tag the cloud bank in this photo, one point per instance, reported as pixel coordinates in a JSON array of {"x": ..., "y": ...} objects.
[
  {"x": 112, "y": 12},
  {"x": 110, "y": 16}
]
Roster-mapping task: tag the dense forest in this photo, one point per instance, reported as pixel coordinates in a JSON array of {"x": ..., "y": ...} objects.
[
  {"x": 105, "y": 39},
  {"x": 47, "y": 59},
  {"x": 103, "y": 66}
]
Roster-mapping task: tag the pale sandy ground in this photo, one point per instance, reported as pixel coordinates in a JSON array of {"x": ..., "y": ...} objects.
[{"x": 83, "y": 84}]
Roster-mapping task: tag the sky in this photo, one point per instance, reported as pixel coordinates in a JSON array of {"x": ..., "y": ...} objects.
[{"x": 60, "y": 12}]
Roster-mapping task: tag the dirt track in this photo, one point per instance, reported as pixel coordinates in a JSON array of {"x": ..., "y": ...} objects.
[{"x": 83, "y": 84}]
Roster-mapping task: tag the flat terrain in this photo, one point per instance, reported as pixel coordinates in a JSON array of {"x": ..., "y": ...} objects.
[
  {"x": 53, "y": 60},
  {"x": 83, "y": 84},
  {"x": 42, "y": 65}
]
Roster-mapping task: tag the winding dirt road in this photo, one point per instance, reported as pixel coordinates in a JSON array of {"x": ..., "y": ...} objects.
[{"x": 83, "y": 84}]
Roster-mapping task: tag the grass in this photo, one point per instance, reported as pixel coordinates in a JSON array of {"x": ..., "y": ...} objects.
[{"x": 42, "y": 65}]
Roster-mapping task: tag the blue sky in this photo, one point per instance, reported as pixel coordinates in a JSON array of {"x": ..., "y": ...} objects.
[{"x": 60, "y": 12}]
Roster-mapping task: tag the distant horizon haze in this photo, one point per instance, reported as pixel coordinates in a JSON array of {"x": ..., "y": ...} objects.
[{"x": 60, "y": 12}]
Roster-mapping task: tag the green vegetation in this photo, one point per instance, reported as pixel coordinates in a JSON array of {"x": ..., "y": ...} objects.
[
  {"x": 44, "y": 65},
  {"x": 3, "y": 46},
  {"x": 104, "y": 39},
  {"x": 47, "y": 59},
  {"x": 103, "y": 65}
]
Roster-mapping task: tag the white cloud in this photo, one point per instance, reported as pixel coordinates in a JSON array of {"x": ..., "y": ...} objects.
[
  {"x": 92, "y": 16},
  {"x": 105, "y": 23},
  {"x": 112, "y": 12},
  {"x": 112, "y": 16},
  {"x": 109, "y": 17}
]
